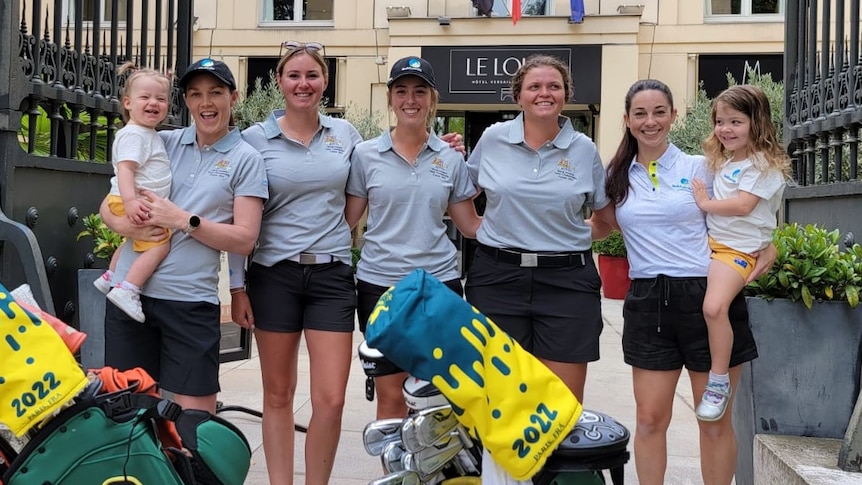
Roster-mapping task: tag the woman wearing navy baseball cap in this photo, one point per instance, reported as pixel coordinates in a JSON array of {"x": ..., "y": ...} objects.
[{"x": 408, "y": 179}]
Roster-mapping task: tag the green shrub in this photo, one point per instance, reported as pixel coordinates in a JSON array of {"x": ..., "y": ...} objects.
[
  {"x": 810, "y": 266},
  {"x": 613, "y": 245},
  {"x": 106, "y": 241},
  {"x": 689, "y": 132}
]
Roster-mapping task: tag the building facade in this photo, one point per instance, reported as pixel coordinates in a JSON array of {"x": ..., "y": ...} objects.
[{"x": 681, "y": 42}]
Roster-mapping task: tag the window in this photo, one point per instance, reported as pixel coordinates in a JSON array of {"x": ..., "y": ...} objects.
[
  {"x": 106, "y": 7},
  {"x": 745, "y": 7},
  {"x": 297, "y": 10},
  {"x": 503, "y": 8}
]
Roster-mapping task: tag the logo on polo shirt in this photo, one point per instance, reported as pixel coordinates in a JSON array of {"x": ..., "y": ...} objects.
[
  {"x": 683, "y": 184},
  {"x": 220, "y": 169},
  {"x": 438, "y": 169},
  {"x": 565, "y": 169},
  {"x": 333, "y": 144}
]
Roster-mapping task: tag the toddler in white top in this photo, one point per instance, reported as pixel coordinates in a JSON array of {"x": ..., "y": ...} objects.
[
  {"x": 750, "y": 170},
  {"x": 140, "y": 163}
]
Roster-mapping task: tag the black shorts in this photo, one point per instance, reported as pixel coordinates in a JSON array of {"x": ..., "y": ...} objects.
[
  {"x": 554, "y": 313},
  {"x": 368, "y": 294},
  {"x": 664, "y": 328},
  {"x": 178, "y": 345},
  {"x": 289, "y": 297}
]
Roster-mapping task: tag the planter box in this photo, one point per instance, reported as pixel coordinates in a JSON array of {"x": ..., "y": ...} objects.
[
  {"x": 614, "y": 272},
  {"x": 806, "y": 379},
  {"x": 91, "y": 318}
]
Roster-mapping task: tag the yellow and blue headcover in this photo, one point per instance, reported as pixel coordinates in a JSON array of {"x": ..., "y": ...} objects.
[
  {"x": 513, "y": 403},
  {"x": 38, "y": 374}
]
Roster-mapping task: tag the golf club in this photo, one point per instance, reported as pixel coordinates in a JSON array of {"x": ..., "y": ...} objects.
[
  {"x": 403, "y": 477},
  {"x": 377, "y": 434}
]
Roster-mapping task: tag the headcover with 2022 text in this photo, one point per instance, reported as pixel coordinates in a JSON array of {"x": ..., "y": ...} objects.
[{"x": 506, "y": 397}]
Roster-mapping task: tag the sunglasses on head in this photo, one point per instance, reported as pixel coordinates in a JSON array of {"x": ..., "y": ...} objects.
[{"x": 292, "y": 45}]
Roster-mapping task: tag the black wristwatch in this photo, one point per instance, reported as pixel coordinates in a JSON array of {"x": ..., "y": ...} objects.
[{"x": 194, "y": 223}]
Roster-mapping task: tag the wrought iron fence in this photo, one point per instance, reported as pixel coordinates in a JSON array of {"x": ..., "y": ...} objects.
[{"x": 59, "y": 110}]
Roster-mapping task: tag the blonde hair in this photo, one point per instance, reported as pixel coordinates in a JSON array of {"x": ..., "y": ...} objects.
[
  {"x": 310, "y": 52},
  {"x": 767, "y": 153},
  {"x": 138, "y": 73}
]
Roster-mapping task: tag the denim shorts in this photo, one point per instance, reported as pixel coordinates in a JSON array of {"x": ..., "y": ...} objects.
[{"x": 664, "y": 328}]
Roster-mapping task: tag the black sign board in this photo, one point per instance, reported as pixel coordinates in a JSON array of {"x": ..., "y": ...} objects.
[
  {"x": 482, "y": 75},
  {"x": 713, "y": 69},
  {"x": 259, "y": 67}
]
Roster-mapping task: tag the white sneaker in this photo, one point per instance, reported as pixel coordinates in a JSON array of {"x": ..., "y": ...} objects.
[
  {"x": 714, "y": 401},
  {"x": 128, "y": 302},
  {"x": 102, "y": 285}
]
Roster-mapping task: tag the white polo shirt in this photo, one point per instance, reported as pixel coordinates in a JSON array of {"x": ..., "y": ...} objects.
[
  {"x": 536, "y": 198},
  {"x": 406, "y": 203},
  {"x": 664, "y": 230},
  {"x": 206, "y": 180},
  {"x": 305, "y": 210}
]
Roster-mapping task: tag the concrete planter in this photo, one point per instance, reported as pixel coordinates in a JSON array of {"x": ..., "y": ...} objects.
[
  {"x": 91, "y": 318},
  {"x": 806, "y": 379}
]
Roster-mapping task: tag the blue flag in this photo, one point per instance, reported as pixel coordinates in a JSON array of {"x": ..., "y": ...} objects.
[{"x": 577, "y": 11}]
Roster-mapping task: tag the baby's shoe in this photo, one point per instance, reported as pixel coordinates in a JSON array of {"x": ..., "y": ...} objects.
[
  {"x": 128, "y": 301},
  {"x": 714, "y": 401},
  {"x": 103, "y": 283}
]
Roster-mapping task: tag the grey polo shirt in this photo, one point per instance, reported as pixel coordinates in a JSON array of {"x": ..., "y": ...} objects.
[
  {"x": 205, "y": 182},
  {"x": 406, "y": 204},
  {"x": 536, "y": 198},
  {"x": 664, "y": 230},
  {"x": 305, "y": 210}
]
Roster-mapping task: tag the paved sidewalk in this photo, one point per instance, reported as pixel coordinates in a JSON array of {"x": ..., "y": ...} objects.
[{"x": 608, "y": 390}]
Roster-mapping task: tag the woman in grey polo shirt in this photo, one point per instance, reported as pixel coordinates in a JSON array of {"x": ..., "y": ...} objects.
[
  {"x": 216, "y": 199},
  {"x": 299, "y": 279},
  {"x": 665, "y": 233},
  {"x": 408, "y": 178},
  {"x": 533, "y": 273}
]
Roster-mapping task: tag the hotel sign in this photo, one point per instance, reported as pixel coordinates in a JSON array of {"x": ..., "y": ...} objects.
[{"x": 483, "y": 75}]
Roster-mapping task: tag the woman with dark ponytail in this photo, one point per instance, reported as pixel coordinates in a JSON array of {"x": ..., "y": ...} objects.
[{"x": 649, "y": 182}]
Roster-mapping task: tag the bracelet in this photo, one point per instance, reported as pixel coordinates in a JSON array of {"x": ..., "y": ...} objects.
[{"x": 234, "y": 291}]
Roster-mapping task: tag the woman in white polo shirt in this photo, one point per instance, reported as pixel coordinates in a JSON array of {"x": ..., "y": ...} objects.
[
  {"x": 533, "y": 273},
  {"x": 408, "y": 178},
  {"x": 649, "y": 184}
]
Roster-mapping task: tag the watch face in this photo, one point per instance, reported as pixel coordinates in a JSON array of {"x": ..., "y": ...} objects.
[{"x": 194, "y": 221}]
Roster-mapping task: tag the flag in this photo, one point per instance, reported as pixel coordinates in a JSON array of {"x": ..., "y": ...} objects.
[
  {"x": 516, "y": 11},
  {"x": 577, "y": 11}
]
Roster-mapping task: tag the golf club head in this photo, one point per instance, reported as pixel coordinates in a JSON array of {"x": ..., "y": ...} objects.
[
  {"x": 403, "y": 477},
  {"x": 429, "y": 461},
  {"x": 409, "y": 436},
  {"x": 391, "y": 457},
  {"x": 377, "y": 434},
  {"x": 432, "y": 424}
]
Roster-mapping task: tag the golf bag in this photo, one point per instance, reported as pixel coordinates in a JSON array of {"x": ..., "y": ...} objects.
[{"x": 127, "y": 437}]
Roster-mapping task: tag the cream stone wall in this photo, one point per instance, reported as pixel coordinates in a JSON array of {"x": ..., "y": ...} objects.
[{"x": 663, "y": 42}]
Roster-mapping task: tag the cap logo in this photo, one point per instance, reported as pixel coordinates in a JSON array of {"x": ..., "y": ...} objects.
[
  {"x": 207, "y": 63},
  {"x": 414, "y": 63}
]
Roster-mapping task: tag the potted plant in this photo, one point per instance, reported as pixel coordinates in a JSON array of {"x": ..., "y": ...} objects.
[
  {"x": 804, "y": 317},
  {"x": 106, "y": 241},
  {"x": 613, "y": 265}
]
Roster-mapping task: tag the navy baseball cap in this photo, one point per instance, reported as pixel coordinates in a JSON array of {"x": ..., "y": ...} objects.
[
  {"x": 412, "y": 66},
  {"x": 210, "y": 66}
]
